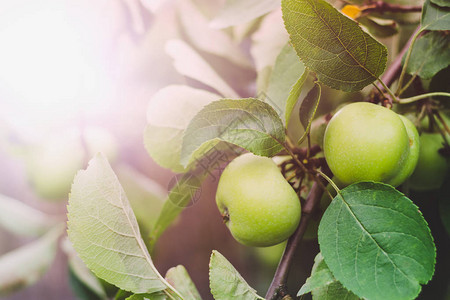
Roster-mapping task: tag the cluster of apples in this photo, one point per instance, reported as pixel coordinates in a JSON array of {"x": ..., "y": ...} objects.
[{"x": 362, "y": 142}]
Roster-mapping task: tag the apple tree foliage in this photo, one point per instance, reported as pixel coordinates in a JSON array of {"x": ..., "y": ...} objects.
[{"x": 374, "y": 241}]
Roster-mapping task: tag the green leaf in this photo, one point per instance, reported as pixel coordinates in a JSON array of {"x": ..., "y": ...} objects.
[
  {"x": 81, "y": 278},
  {"x": 441, "y": 2},
  {"x": 168, "y": 114},
  {"x": 248, "y": 123},
  {"x": 332, "y": 45},
  {"x": 21, "y": 219},
  {"x": 286, "y": 82},
  {"x": 154, "y": 296},
  {"x": 184, "y": 190},
  {"x": 435, "y": 17},
  {"x": 322, "y": 284},
  {"x": 179, "y": 278},
  {"x": 226, "y": 282},
  {"x": 189, "y": 63},
  {"x": 81, "y": 290},
  {"x": 236, "y": 12},
  {"x": 145, "y": 195},
  {"x": 376, "y": 242},
  {"x": 309, "y": 106},
  {"x": 430, "y": 54},
  {"x": 24, "y": 266},
  {"x": 105, "y": 233}
]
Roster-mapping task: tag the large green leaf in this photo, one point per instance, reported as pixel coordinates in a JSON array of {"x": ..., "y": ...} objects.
[
  {"x": 168, "y": 114},
  {"x": 82, "y": 280},
  {"x": 430, "y": 54},
  {"x": 236, "y": 12},
  {"x": 441, "y": 2},
  {"x": 376, "y": 242},
  {"x": 145, "y": 195},
  {"x": 226, "y": 282},
  {"x": 21, "y": 219},
  {"x": 322, "y": 284},
  {"x": 285, "y": 83},
  {"x": 105, "y": 233},
  {"x": 309, "y": 107},
  {"x": 249, "y": 123},
  {"x": 435, "y": 17},
  {"x": 179, "y": 278},
  {"x": 24, "y": 266},
  {"x": 332, "y": 45},
  {"x": 189, "y": 63}
]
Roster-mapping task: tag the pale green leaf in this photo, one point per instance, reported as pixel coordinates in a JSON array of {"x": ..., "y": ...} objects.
[
  {"x": 21, "y": 219},
  {"x": 154, "y": 296},
  {"x": 105, "y": 233},
  {"x": 332, "y": 45},
  {"x": 179, "y": 278},
  {"x": 285, "y": 83},
  {"x": 24, "y": 266},
  {"x": 81, "y": 273},
  {"x": 236, "y": 12},
  {"x": 145, "y": 195},
  {"x": 168, "y": 114},
  {"x": 376, "y": 242},
  {"x": 435, "y": 17},
  {"x": 226, "y": 282},
  {"x": 189, "y": 63},
  {"x": 249, "y": 123},
  {"x": 322, "y": 284},
  {"x": 198, "y": 31},
  {"x": 379, "y": 27},
  {"x": 441, "y": 2},
  {"x": 430, "y": 54}
]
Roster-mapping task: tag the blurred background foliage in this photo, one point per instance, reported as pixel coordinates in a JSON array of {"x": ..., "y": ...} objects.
[{"x": 77, "y": 77}]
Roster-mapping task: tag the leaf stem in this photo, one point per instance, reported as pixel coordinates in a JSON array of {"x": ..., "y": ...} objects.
[
  {"x": 331, "y": 182},
  {"x": 423, "y": 96},
  {"x": 393, "y": 97}
]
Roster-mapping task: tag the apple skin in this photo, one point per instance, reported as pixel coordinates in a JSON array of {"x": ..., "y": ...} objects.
[
  {"x": 364, "y": 141},
  {"x": 259, "y": 206},
  {"x": 413, "y": 157},
  {"x": 432, "y": 167}
]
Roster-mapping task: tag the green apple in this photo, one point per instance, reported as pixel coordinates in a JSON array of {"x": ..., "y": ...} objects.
[
  {"x": 364, "y": 141},
  {"x": 52, "y": 165},
  {"x": 432, "y": 166},
  {"x": 413, "y": 157},
  {"x": 258, "y": 205}
]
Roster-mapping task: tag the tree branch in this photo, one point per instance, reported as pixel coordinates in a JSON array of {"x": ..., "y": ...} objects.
[
  {"x": 311, "y": 204},
  {"x": 394, "y": 69},
  {"x": 381, "y": 7}
]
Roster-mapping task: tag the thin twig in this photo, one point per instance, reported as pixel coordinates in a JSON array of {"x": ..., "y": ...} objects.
[
  {"x": 312, "y": 202},
  {"x": 395, "y": 67},
  {"x": 381, "y": 7}
]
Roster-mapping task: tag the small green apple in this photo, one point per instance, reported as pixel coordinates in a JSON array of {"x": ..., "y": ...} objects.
[
  {"x": 52, "y": 164},
  {"x": 432, "y": 167},
  {"x": 413, "y": 157},
  {"x": 364, "y": 141},
  {"x": 258, "y": 205}
]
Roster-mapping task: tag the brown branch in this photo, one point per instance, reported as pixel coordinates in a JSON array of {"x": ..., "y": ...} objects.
[
  {"x": 311, "y": 204},
  {"x": 395, "y": 68},
  {"x": 381, "y": 7}
]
